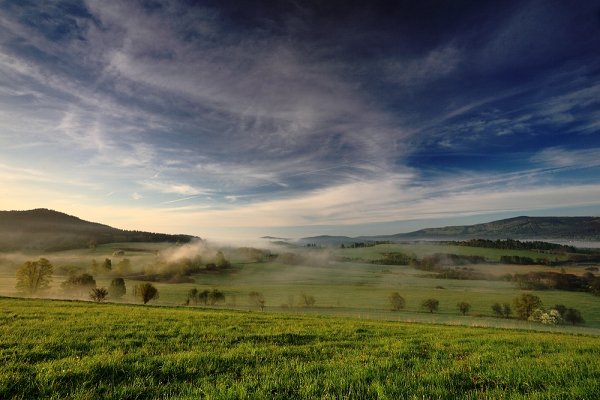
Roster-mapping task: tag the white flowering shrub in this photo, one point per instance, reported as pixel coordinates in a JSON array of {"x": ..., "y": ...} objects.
[{"x": 551, "y": 317}]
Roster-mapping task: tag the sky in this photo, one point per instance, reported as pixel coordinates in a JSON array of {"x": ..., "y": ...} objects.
[{"x": 237, "y": 119}]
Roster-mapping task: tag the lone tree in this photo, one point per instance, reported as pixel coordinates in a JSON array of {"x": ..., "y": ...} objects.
[
  {"x": 573, "y": 316},
  {"x": 257, "y": 299},
  {"x": 526, "y": 304},
  {"x": 146, "y": 292},
  {"x": 397, "y": 301},
  {"x": 431, "y": 305},
  {"x": 117, "y": 288},
  {"x": 463, "y": 307},
  {"x": 98, "y": 294},
  {"x": 307, "y": 300},
  {"x": 34, "y": 276}
]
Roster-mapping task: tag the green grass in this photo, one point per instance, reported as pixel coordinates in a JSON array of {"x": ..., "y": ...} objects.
[
  {"x": 58, "y": 349},
  {"x": 421, "y": 249},
  {"x": 340, "y": 288}
]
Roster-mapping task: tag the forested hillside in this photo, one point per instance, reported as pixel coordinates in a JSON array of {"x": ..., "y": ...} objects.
[{"x": 43, "y": 229}]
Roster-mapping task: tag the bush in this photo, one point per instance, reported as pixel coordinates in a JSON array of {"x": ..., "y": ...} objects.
[
  {"x": 146, "y": 292},
  {"x": 397, "y": 301},
  {"x": 98, "y": 294}
]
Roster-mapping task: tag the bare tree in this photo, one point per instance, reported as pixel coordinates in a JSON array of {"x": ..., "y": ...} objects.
[{"x": 257, "y": 299}]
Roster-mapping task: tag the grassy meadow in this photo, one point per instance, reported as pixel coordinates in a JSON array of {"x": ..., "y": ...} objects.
[
  {"x": 355, "y": 288},
  {"x": 81, "y": 350}
]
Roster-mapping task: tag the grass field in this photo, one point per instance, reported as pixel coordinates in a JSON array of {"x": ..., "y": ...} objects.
[
  {"x": 58, "y": 349},
  {"x": 358, "y": 289}
]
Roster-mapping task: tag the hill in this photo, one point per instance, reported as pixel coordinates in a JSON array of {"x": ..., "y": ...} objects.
[
  {"x": 538, "y": 228},
  {"x": 517, "y": 228},
  {"x": 48, "y": 230}
]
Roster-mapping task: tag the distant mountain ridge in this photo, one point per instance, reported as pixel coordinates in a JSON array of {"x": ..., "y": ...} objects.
[
  {"x": 43, "y": 229},
  {"x": 563, "y": 228}
]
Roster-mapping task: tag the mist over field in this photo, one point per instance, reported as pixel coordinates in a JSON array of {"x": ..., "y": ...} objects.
[{"x": 278, "y": 199}]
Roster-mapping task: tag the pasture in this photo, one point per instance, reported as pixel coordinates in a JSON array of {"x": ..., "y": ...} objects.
[
  {"x": 82, "y": 350},
  {"x": 355, "y": 288}
]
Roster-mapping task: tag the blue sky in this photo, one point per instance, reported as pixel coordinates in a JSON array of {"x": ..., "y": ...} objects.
[{"x": 242, "y": 119}]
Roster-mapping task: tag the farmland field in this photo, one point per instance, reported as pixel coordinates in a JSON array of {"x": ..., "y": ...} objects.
[{"x": 58, "y": 349}]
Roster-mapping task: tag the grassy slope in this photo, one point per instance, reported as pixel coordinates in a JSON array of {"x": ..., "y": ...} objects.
[{"x": 55, "y": 349}]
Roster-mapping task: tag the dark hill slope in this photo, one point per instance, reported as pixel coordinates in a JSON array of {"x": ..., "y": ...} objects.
[
  {"x": 534, "y": 228},
  {"x": 43, "y": 229},
  {"x": 517, "y": 228}
]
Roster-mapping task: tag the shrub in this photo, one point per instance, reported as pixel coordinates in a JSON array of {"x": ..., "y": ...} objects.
[
  {"x": 98, "y": 294},
  {"x": 146, "y": 292}
]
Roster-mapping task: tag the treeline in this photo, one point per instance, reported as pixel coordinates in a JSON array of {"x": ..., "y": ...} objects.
[
  {"x": 429, "y": 263},
  {"x": 543, "y": 280},
  {"x": 359, "y": 245},
  {"x": 511, "y": 244}
]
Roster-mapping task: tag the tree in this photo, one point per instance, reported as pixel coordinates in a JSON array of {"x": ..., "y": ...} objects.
[
  {"x": 502, "y": 310},
  {"x": 192, "y": 297},
  {"x": 117, "y": 288},
  {"x": 146, "y": 292},
  {"x": 526, "y": 304},
  {"x": 216, "y": 296},
  {"x": 431, "y": 304},
  {"x": 307, "y": 300},
  {"x": 463, "y": 307},
  {"x": 573, "y": 316},
  {"x": 257, "y": 299},
  {"x": 397, "y": 301},
  {"x": 107, "y": 265},
  {"x": 220, "y": 261},
  {"x": 203, "y": 297},
  {"x": 34, "y": 276},
  {"x": 79, "y": 284},
  {"x": 123, "y": 267},
  {"x": 94, "y": 267},
  {"x": 98, "y": 294}
]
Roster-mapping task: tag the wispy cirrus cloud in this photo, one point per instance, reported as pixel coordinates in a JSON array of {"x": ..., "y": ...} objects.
[{"x": 305, "y": 115}]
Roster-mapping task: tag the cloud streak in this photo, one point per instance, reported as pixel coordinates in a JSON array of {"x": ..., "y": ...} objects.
[{"x": 305, "y": 115}]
